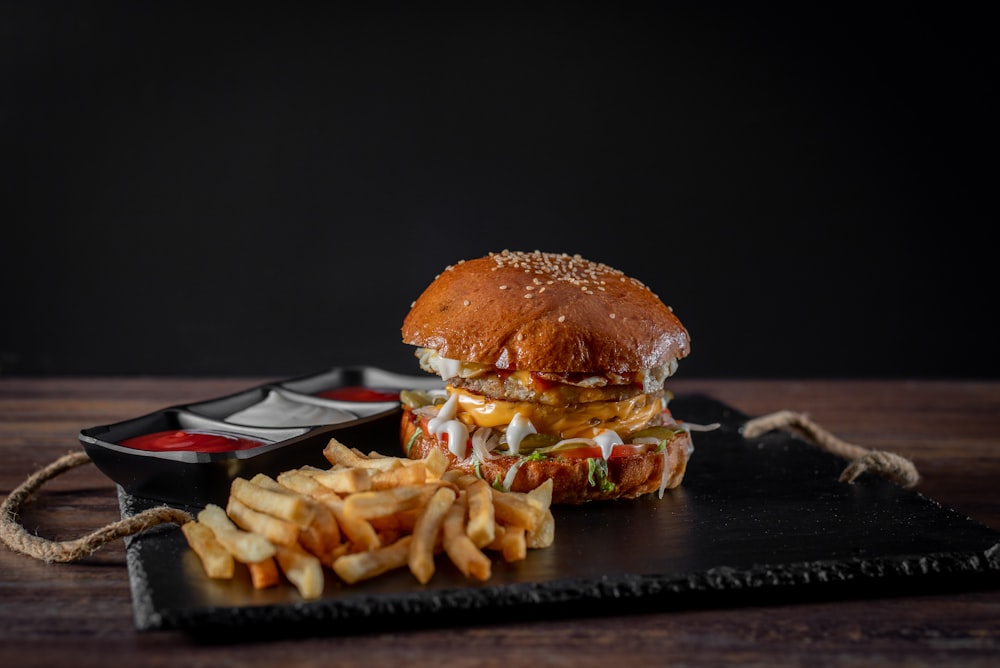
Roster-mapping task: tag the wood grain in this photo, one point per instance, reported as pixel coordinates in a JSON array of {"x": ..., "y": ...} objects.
[{"x": 81, "y": 614}]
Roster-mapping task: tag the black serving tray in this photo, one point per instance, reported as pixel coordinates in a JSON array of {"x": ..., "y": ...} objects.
[
  {"x": 755, "y": 519},
  {"x": 294, "y": 437}
]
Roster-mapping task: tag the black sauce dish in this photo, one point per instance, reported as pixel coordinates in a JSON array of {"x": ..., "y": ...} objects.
[{"x": 291, "y": 419}]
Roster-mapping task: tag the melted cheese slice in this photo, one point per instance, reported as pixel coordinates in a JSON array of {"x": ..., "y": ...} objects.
[{"x": 585, "y": 420}]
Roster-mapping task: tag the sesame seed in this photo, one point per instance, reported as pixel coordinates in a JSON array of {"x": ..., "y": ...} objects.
[
  {"x": 503, "y": 287},
  {"x": 612, "y": 316},
  {"x": 467, "y": 302},
  {"x": 562, "y": 318},
  {"x": 528, "y": 296}
]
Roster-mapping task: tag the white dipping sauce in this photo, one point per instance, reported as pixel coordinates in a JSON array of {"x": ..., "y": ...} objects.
[{"x": 279, "y": 411}]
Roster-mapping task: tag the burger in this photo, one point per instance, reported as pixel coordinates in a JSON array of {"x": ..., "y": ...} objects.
[{"x": 553, "y": 368}]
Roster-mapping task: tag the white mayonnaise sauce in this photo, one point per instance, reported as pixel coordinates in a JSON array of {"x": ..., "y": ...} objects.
[
  {"x": 518, "y": 428},
  {"x": 608, "y": 439},
  {"x": 277, "y": 410},
  {"x": 445, "y": 423}
]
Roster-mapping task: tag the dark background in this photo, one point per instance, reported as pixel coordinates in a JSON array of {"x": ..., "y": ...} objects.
[{"x": 223, "y": 189}]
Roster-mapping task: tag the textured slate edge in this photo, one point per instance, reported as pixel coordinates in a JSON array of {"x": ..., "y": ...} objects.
[
  {"x": 576, "y": 598},
  {"x": 619, "y": 594}
]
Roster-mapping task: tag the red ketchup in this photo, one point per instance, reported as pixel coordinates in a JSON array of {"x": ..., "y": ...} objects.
[
  {"x": 196, "y": 441},
  {"x": 359, "y": 394}
]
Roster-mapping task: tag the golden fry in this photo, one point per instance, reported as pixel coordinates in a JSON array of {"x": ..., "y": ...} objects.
[
  {"x": 322, "y": 535},
  {"x": 384, "y": 502},
  {"x": 513, "y": 545},
  {"x": 345, "y": 480},
  {"x": 277, "y": 531},
  {"x": 357, "y": 530},
  {"x": 514, "y": 510},
  {"x": 364, "y": 516},
  {"x": 436, "y": 463},
  {"x": 425, "y": 534},
  {"x": 215, "y": 559},
  {"x": 338, "y": 453},
  {"x": 283, "y": 505},
  {"x": 460, "y": 548},
  {"x": 304, "y": 482},
  {"x": 413, "y": 474},
  {"x": 480, "y": 528},
  {"x": 364, "y": 565},
  {"x": 264, "y": 574},
  {"x": 544, "y": 534},
  {"x": 541, "y": 496},
  {"x": 302, "y": 569},
  {"x": 245, "y": 546}
]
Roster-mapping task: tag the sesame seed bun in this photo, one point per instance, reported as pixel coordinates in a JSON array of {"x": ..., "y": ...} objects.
[{"x": 545, "y": 312}]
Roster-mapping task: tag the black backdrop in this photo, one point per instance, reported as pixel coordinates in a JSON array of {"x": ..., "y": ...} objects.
[{"x": 228, "y": 189}]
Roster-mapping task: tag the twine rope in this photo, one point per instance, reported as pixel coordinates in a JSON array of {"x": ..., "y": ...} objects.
[
  {"x": 18, "y": 539},
  {"x": 886, "y": 464}
]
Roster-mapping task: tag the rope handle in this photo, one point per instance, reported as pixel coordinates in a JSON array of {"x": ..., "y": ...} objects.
[
  {"x": 889, "y": 465},
  {"x": 19, "y": 540}
]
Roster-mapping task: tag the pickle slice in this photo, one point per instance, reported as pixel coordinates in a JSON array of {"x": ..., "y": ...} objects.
[
  {"x": 662, "y": 433},
  {"x": 532, "y": 442}
]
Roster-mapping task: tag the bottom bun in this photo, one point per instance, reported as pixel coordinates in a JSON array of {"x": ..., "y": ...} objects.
[{"x": 630, "y": 476}]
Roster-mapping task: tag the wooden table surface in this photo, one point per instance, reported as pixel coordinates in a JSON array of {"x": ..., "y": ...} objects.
[{"x": 81, "y": 613}]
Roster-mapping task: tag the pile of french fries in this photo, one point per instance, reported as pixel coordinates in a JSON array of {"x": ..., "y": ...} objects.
[{"x": 364, "y": 516}]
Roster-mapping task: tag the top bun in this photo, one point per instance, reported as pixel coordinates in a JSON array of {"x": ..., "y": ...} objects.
[{"x": 545, "y": 312}]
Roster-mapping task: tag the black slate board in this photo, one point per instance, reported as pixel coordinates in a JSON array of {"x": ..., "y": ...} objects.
[{"x": 755, "y": 520}]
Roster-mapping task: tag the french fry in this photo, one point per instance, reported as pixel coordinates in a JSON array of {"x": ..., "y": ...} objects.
[
  {"x": 245, "y": 546},
  {"x": 264, "y": 573},
  {"x": 352, "y": 568},
  {"x": 346, "y": 480},
  {"x": 425, "y": 534},
  {"x": 541, "y": 496},
  {"x": 436, "y": 463},
  {"x": 460, "y": 548},
  {"x": 367, "y": 505},
  {"x": 512, "y": 509},
  {"x": 322, "y": 536},
  {"x": 403, "y": 520},
  {"x": 544, "y": 534},
  {"x": 482, "y": 521},
  {"x": 216, "y": 561},
  {"x": 358, "y": 530},
  {"x": 513, "y": 545},
  {"x": 304, "y": 482},
  {"x": 289, "y": 507},
  {"x": 365, "y": 515},
  {"x": 302, "y": 569},
  {"x": 338, "y": 453},
  {"x": 413, "y": 474},
  {"x": 275, "y": 530}
]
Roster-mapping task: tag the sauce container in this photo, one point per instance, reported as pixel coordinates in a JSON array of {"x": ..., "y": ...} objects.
[{"x": 290, "y": 422}]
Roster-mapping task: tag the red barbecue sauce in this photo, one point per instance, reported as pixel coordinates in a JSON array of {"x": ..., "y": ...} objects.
[
  {"x": 358, "y": 393},
  {"x": 196, "y": 441}
]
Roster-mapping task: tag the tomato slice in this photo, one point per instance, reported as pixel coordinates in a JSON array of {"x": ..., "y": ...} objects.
[{"x": 582, "y": 452}]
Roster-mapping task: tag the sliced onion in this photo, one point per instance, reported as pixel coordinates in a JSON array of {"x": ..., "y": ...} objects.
[
  {"x": 666, "y": 471},
  {"x": 484, "y": 441}
]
